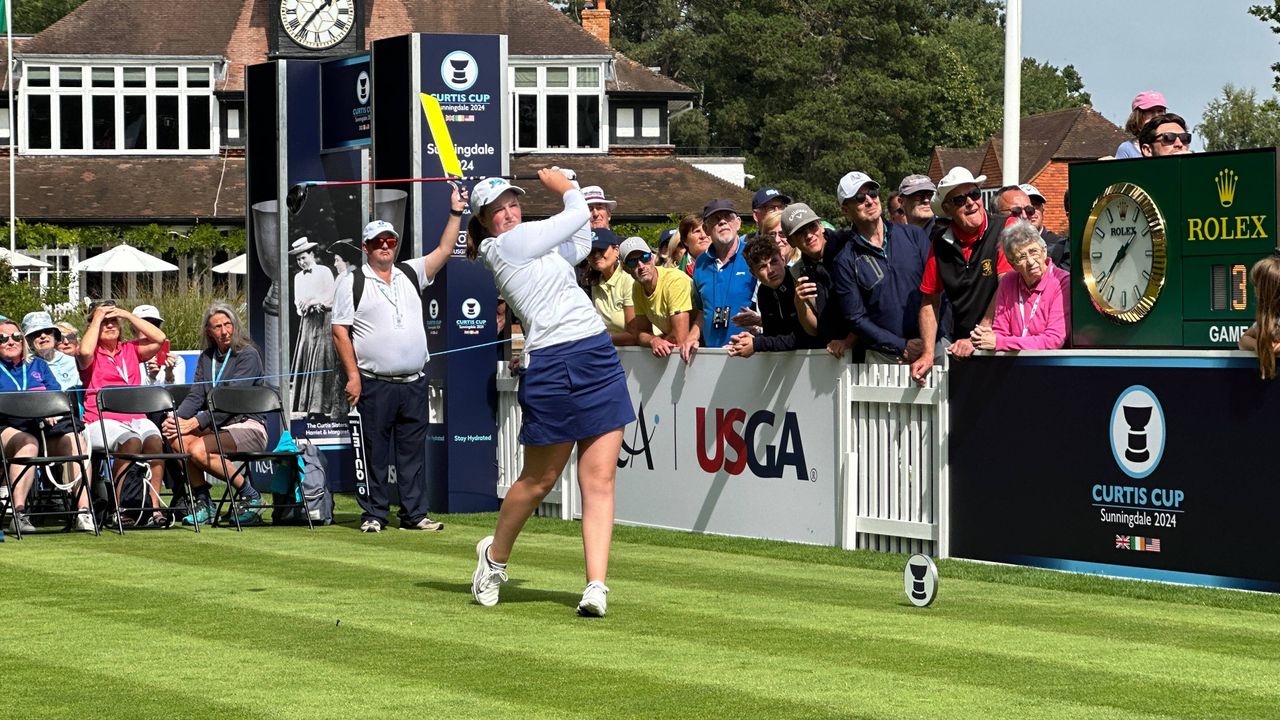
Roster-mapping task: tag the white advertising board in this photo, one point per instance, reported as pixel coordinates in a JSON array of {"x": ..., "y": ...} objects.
[{"x": 746, "y": 447}]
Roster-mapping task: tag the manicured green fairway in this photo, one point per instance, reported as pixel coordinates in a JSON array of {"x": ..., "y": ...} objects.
[{"x": 286, "y": 623}]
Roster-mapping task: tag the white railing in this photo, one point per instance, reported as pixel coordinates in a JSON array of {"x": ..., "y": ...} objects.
[
  {"x": 893, "y": 472},
  {"x": 897, "y": 465}
]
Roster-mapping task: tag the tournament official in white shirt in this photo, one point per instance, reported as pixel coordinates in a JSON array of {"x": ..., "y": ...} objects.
[{"x": 383, "y": 348}]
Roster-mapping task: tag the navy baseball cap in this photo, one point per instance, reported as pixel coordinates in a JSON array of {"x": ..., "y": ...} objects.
[
  {"x": 603, "y": 239},
  {"x": 665, "y": 238},
  {"x": 719, "y": 205},
  {"x": 768, "y": 194}
]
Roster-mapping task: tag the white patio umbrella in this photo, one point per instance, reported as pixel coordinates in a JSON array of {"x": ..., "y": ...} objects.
[
  {"x": 18, "y": 260},
  {"x": 237, "y": 265},
  {"x": 124, "y": 259}
]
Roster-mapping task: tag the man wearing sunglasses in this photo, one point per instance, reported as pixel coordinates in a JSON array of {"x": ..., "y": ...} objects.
[
  {"x": 965, "y": 261},
  {"x": 1059, "y": 247},
  {"x": 1164, "y": 134},
  {"x": 723, "y": 284},
  {"x": 876, "y": 279},
  {"x": 663, "y": 299},
  {"x": 382, "y": 346}
]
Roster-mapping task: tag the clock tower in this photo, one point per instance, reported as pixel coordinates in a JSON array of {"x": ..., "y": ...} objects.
[{"x": 315, "y": 29}]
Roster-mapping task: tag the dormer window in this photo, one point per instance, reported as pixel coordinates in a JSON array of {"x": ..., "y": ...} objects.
[
  {"x": 104, "y": 108},
  {"x": 558, "y": 107}
]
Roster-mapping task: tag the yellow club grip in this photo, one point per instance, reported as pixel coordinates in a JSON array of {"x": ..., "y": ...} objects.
[{"x": 440, "y": 134}]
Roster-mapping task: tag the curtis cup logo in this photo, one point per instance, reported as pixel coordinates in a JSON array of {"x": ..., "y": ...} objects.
[{"x": 459, "y": 70}]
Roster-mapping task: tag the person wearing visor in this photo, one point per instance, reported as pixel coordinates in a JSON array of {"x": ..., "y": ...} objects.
[
  {"x": 165, "y": 368},
  {"x": 573, "y": 392},
  {"x": 382, "y": 345},
  {"x": 663, "y": 300},
  {"x": 44, "y": 338}
]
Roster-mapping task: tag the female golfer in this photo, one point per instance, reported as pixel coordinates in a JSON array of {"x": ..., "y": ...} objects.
[{"x": 572, "y": 391}]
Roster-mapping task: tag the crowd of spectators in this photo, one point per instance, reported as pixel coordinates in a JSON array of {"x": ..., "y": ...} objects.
[{"x": 924, "y": 271}]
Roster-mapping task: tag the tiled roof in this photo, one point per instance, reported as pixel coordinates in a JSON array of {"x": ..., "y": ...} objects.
[
  {"x": 646, "y": 187},
  {"x": 107, "y": 189},
  {"x": 237, "y": 30},
  {"x": 1063, "y": 135}
]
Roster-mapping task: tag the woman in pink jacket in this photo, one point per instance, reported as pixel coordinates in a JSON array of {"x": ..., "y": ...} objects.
[{"x": 1032, "y": 306}]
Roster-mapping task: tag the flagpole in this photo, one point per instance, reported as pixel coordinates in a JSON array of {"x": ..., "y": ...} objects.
[{"x": 8, "y": 48}]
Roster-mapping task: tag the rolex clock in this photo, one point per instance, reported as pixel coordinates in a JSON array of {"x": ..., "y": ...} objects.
[
  {"x": 1162, "y": 247},
  {"x": 1124, "y": 254},
  {"x": 316, "y": 28}
]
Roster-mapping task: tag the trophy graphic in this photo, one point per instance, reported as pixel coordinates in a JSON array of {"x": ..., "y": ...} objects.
[
  {"x": 1137, "y": 419},
  {"x": 917, "y": 583},
  {"x": 459, "y": 66}
]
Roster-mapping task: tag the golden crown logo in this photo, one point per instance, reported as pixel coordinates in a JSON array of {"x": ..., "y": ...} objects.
[{"x": 1226, "y": 182}]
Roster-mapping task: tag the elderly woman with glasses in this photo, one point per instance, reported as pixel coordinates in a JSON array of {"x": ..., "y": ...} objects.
[{"x": 1032, "y": 306}]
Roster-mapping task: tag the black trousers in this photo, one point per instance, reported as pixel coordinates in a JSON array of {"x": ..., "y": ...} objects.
[{"x": 394, "y": 416}]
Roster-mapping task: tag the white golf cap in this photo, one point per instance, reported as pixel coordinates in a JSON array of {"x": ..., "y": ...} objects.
[
  {"x": 376, "y": 228},
  {"x": 148, "y": 312},
  {"x": 486, "y": 191},
  {"x": 633, "y": 244},
  {"x": 851, "y": 183}
]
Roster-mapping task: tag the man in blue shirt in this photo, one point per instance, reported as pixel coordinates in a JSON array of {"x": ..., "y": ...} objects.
[
  {"x": 876, "y": 276},
  {"x": 722, "y": 281}
]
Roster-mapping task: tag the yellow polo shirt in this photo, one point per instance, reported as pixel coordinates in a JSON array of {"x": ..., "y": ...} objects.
[
  {"x": 672, "y": 294},
  {"x": 610, "y": 296}
]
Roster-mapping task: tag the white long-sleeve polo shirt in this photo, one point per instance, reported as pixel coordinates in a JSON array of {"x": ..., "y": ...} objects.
[{"x": 533, "y": 267}]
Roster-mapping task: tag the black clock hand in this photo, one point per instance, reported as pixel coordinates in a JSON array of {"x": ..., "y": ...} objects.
[
  {"x": 1124, "y": 249},
  {"x": 316, "y": 12}
]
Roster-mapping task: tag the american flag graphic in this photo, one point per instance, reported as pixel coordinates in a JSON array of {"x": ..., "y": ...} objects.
[
  {"x": 1153, "y": 545},
  {"x": 1122, "y": 542}
]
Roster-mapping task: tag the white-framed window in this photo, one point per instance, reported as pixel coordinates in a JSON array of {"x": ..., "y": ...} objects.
[
  {"x": 117, "y": 109},
  {"x": 558, "y": 107},
  {"x": 60, "y": 260},
  {"x": 650, "y": 123}
]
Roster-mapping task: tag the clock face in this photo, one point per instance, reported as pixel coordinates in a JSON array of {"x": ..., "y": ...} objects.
[
  {"x": 1124, "y": 253},
  {"x": 317, "y": 24}
]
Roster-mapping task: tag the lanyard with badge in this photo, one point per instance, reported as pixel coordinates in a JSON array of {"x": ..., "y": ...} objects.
[
  {"x": 22, "y": 371},
  {"x": 217, "y": 374},
  {"x": 1026, "y": 319},
  {"x": 392, "y": 297}
]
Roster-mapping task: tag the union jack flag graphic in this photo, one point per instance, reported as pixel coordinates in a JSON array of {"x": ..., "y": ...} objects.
[{"x": 1122, "y": 542}]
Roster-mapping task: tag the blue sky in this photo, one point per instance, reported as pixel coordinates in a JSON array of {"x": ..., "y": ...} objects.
[{"x": 1186, "y": 49}]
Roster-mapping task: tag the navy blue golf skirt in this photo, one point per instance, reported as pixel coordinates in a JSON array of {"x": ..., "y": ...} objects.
[{"x": 573, "y": 391}]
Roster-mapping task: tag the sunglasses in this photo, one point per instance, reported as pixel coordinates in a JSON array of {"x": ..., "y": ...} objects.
[
  {"x": 378, "y": 243},
  {"x": 862, "y": 196},
  {"x": 11, "y": 337},
  {"x": 921, "y": 195},
  {"x": 70, "y": 339},
  {"x": 1167, "y": 138},
  {"x": 960, "y": 200},
  {"x": 635, "y": 260},
  {"x": 1027, "y": 211}
]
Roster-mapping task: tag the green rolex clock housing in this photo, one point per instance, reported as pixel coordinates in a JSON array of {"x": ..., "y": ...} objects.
[{"x": 1162, "y": 247}]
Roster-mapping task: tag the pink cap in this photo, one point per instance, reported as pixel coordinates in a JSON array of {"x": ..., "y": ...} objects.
[{"x": 1148, "y": 99}]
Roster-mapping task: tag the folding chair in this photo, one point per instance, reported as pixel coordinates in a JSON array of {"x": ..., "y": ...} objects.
[
  {"x": 252, "y": 400},
  {"x": 36, "y": 406},
  {"x": 138, "y": 400}
]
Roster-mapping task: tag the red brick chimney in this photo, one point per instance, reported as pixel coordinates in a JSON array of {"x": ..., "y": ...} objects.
[{"x": 595, "y": 20}]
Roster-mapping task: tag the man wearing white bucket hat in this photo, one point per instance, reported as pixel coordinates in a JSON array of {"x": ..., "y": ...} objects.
[{"x": 965, "y": 261}]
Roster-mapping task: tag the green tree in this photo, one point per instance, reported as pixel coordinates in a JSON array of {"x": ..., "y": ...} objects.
[
  {"x": 1237, "y": 120},
  {"x": 1046, "y": 88},
  {"x": 1270, "y": 14},
  {"x": 32, "y": 16}
]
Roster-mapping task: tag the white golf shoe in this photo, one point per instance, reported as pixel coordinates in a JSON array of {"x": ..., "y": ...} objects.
[
  {"x": 593, "y": 600},
  {"x": 487, "y": 579}
]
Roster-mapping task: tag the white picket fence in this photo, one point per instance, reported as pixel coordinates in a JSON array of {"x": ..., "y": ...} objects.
[{"x": 894, "y": 487}]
